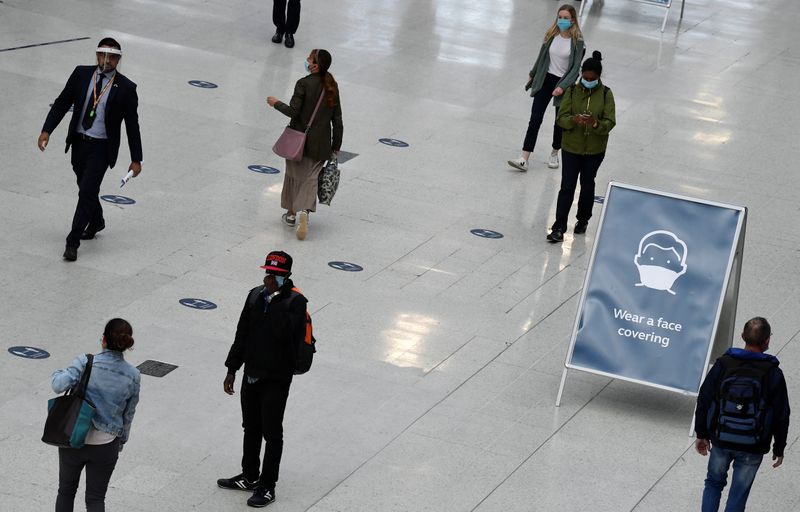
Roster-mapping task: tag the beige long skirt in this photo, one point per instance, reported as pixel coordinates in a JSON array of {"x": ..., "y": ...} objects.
[{"x": 300, "y": 185}]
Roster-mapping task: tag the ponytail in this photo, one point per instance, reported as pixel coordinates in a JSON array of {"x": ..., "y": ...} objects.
[{"x": 324, "y": 59}]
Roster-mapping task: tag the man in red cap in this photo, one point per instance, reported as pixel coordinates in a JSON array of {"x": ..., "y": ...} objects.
[{"x": 272, "y": 322}]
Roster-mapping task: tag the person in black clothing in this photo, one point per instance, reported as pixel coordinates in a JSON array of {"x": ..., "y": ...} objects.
[
  {"x": 101, "y": 98},
  {"x": 746, "y": 457},
  {"x": 286, "y": 20},
  {"x": 272, "y": 322}
]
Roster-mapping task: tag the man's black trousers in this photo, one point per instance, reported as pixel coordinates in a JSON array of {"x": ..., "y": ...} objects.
[
  {"x": 263, "y": 403},
  {"x": 89, "y": 162},
  {"x": 286, "y": 20}
]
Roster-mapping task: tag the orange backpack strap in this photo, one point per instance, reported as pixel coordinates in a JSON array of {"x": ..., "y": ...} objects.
[{"x": 309, "y": 337}]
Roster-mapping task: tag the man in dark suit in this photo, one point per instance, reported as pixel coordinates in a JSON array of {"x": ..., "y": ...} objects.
[
  {"x": 102, "y": 97},
  {"x": 286, "y": 17}
]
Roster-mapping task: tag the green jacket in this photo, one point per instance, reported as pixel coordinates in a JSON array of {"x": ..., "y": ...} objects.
[
  {"x": 319, "y": 141},
  {"x": 539, "y": 71},
  {"x": 584, "y": 139}
]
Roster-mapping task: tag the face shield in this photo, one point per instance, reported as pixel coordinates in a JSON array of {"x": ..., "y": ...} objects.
[{"x": 108, "y": 58}]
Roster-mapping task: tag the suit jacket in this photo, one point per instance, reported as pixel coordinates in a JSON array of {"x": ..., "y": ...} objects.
[{"x": 122, "y": 103}]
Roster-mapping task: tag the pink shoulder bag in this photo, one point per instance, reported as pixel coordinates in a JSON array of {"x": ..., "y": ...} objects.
[{"x": 291, "y": 142}]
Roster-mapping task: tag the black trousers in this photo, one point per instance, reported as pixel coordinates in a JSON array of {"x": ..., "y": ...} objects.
[
  {"x": 540, "y": 101},
  {"x": 89, "y": 162},
  {"x": 286, "y": 20},
  {"x": 263, "y": 404},
  {"x": 574, "y": 167},
  {"x": 99, "y": 462}
]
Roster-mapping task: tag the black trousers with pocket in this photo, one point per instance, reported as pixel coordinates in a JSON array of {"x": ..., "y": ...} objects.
[
  {"x": 89, "y": 163},
  {"x": 263, "y": 404},
  {"x": 99, "y": 461},
  {"x": 573, "y": 168},
  {"x": 540, "y": 102},
  {"x": 286, "y": 20}
]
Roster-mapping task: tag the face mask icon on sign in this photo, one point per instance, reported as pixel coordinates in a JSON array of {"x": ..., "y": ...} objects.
[{"x": 661, "y": 260}]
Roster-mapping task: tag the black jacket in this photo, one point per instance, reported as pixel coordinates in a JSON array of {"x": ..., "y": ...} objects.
[
  {"x": 122, "y": 103},
  {"x": 265, "y": 342},
  {"x": 776, "y": 395}
]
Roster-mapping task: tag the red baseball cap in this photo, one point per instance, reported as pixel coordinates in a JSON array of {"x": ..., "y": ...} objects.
[{"x": 278, "y": 262}]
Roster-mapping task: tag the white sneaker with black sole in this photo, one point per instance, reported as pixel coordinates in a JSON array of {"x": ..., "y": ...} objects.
[
  {"x": 519, "y": 164},
  {"x": 289, "y": 220}
]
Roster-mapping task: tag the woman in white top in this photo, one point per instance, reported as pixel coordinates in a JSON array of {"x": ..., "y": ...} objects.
[{"x": 556, "y": 68}]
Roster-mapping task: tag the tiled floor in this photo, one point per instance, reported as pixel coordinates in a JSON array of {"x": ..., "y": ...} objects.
[{"x": 438, "y": 364}]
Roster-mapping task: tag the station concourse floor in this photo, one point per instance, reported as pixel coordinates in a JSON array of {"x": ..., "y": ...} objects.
[{"x": 438, "y": 364}]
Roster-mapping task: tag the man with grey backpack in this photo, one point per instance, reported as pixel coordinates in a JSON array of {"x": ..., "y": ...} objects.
[{"x": 742, "y": 406}]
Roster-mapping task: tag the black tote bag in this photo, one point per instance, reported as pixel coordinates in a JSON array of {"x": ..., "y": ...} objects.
[{"x": 69, "y": 416}]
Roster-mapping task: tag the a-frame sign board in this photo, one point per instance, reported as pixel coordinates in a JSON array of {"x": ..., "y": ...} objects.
[{"x": 660, "y": 294}]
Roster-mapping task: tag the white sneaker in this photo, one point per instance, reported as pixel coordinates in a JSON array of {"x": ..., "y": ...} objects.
[
  {"x": 553, "y": 163},
  {"x": 520, "y": 164},
  {"x": 302, "y": 225},
  {"x": 289, "y": 220}
]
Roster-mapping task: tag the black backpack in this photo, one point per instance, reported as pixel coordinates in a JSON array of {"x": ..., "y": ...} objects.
[
  {"x": 743, "y": 414},
  {"x": 305, "y": 348}
]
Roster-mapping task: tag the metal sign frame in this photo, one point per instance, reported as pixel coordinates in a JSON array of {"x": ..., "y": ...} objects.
[
  {"x": 721, "y": 335},
  {"x": 665, "y": 4}
]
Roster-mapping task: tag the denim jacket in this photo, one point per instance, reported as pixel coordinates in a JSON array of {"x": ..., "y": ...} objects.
[{"x": 113, "y": 389}]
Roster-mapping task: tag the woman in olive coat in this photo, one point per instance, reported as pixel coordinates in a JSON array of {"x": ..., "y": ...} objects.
[{"x": 324, "y": 139}]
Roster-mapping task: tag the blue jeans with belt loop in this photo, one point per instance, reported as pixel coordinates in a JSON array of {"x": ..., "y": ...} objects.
[{"x": 745, "y": 467}]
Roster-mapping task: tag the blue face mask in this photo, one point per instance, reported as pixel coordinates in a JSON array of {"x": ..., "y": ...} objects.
[
  {"x": 588, "y": 84},
  {"x": 308, "y": 69},
  {"x": 563, "y": 24},
  {"x": 280, "y": 280}
]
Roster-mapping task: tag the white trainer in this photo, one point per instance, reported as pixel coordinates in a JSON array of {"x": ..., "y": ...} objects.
[
  {"x": 519, "y": 164},
  {"x": 302, "y": 225},
  {"x": 553, "y": 163}
]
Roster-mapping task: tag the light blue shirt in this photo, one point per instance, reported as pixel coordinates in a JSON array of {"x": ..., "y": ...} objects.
[{"x": 98, "y": 129}]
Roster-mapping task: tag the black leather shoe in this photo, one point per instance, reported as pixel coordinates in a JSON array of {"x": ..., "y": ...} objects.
[
  {"x": 278, "y": 37},
  {"x": 71, "y": 253},
  {"x": 556, "y": 235},
  {"x": 580, "y": 227},
  {"x": 89, "y": 232},
  {"x": 289, "y": 42}
]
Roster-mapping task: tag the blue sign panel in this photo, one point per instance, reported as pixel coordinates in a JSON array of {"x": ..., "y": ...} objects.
[
  {"x": 347, "y": 267},
  {"x": 29, "y": 352},
  {"x": 263, "y": 169},
  {"x": 654, "y": 288},
  {"x": 117, "y": 199},
  {"x": 202, "y": 84},
  {"x": 486, "y": 233},
  {"x": 394, "y": 143},
  {"x": 198, "y": 303}
]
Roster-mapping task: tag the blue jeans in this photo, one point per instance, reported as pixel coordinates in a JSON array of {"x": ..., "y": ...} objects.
[{"x": 745, "y": 467}]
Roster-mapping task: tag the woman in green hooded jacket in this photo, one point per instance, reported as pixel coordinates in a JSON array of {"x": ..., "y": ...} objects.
[
  {"x": 556, "y": 68},
  {"x": 587, "y": 116}
]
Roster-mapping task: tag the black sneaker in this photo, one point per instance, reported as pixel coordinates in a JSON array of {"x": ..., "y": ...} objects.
[
  {"x": 556, "y": 235},
  {"x": 261, "y": 497},
  {"x": 580, "y": 227},
  {"x": 238, "y": 482}
]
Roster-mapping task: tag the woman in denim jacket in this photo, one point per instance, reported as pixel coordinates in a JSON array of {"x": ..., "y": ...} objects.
[{"x": 114, "y": 390}]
